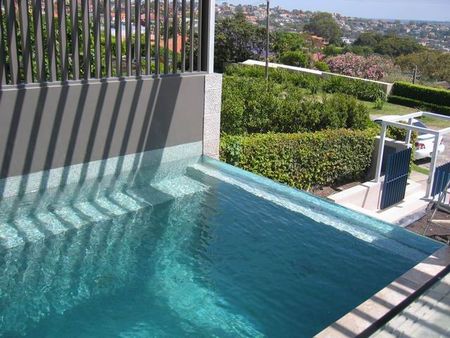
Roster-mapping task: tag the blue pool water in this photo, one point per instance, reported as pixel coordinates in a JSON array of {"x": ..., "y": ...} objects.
[{"x": 194, "y": 249}]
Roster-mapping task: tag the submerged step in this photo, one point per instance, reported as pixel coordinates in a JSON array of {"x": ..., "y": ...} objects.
[{"x": 57, "y": 218}]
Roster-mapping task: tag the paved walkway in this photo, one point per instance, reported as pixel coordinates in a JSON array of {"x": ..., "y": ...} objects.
[{"x": 428, "y": 316}]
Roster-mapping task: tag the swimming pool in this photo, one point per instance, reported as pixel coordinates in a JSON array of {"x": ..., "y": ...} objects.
[{"x": 191, "y": 248}]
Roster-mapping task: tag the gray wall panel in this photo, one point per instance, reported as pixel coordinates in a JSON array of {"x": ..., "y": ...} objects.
[{"x": 50, "y": 127}]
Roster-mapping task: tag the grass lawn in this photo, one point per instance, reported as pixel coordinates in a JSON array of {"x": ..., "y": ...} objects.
[
  {"x": 388, "y": 109},
  {"x": 395, "y": 109},
  {"x": 419, "y": 169}
]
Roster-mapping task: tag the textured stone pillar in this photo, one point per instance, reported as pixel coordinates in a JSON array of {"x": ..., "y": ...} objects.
[{"x": 211, "y": 122}]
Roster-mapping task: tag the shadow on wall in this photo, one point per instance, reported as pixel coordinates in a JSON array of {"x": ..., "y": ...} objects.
[{"x": 56, "y": 126}]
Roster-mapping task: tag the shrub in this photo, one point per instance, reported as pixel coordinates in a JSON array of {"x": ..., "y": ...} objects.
[
  {"x": 303, "y": 160},
  {"x": 379, "y": 104},
  {"x": 282, "y": 76},
  {"x": 295, "y": 58},
  {"x": 436, "y": 96},
  {"x": 362, "y": 90},
  {"x": 322, "y": 66},
  {"x": 255, "y": 106},
  {"x": 370, "y": 67}
]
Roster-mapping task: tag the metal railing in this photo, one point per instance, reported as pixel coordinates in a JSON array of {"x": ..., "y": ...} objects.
[{"x": 62, "y": 40}]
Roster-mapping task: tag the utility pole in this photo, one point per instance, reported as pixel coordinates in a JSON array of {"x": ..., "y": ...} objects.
[
  {"x": 267, "y": 39},
  {"x": 414, "y": 75}
]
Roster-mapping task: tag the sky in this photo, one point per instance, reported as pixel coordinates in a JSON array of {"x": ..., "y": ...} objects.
[{"x": 437, "y": 10}]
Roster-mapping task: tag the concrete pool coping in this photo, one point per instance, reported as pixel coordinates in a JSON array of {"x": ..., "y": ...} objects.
[{"x": 381, "y": 307}]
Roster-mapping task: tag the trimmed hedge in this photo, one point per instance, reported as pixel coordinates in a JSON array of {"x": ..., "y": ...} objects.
[
  {"x": 429, "y": 95},
  {"x": 404, "y": 101},
  {"x": 251, "y": 105},
  {"x": 303, "y": 160},
  {"x": 362, "y": 90}
]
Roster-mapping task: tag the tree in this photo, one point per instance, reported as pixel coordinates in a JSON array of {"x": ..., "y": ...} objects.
[
  {"x": 237, "y": 40},
  {"x": 368, "y": 39},
  {"x": 295, "y": 58},
  {"x": 394, "y": 45},
  {"x": 432, "y": 65},
  {"x": 283, "y": 42},
  {"x": 324, "y": 25},
  {"x": 391, "y": 44}
]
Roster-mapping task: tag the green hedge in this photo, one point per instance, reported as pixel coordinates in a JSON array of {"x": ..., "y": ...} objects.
[
  {"x": 362, "y": 90},
  {"x": 251, "y": 105},
  {"x": 429, "y": 95},
  {"x": 303, "y": 160},
  {"x": 404, "y": 101}
]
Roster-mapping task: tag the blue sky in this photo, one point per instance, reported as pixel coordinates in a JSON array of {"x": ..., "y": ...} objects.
[{"x": 385, "y": 9}]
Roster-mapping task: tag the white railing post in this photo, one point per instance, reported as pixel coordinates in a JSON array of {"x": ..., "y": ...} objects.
[
  {"x": 380, "y": 152},
  {"x": 433, "y": 164},
  {"x": 409, "y": 133}
]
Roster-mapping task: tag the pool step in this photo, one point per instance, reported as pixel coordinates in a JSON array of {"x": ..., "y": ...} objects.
[{"x": 56, "y": 219}]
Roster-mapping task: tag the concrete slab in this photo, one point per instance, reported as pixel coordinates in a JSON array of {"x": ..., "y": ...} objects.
[{"x": 365, "y": 198}]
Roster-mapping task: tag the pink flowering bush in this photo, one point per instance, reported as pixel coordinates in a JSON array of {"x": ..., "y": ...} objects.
[{"x": 370, "y": 67}]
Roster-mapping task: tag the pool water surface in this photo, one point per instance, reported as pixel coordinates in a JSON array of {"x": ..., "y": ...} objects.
[{"x": 194, "y": 248}]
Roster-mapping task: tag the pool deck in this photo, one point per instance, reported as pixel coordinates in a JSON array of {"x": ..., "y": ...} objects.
[
  {"x": 368, "y": 317},
  {"x": 428, "y": 316}
]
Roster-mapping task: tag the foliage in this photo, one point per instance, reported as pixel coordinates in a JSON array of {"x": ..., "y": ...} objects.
[
  {"x": 295, "y": 58},
  {"x": 324, "y": 25},
  {"x": 303, "y": 160},
  {"x": 404, "y": 101},
  {"x": 363, "y": 90},
  {"x": 283, "y": 42},
  {"x": 332, "y": 50},
  {"x": 254, "y": 106},
  {"x": 370, "y": 39},
  {"x": 371, "y": 67},
  {"x": 390, "y": 44},
  {"x": 322, "y": 66},
  {"x": 379, "y": 104},
  {"x": 432, "y": 65},
  {"x": 237, "y": 40},
  {"x": 422, "y": 93},
  {"x": 359, "y": 50}
]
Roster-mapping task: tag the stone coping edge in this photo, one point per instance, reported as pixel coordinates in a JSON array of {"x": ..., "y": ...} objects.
[{"x": 365, "y": 319}]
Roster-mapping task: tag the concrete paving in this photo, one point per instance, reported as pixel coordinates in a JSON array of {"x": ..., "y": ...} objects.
[
  {"x": 428, "y": 316},
  {"x": 365, "y": 198}
]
